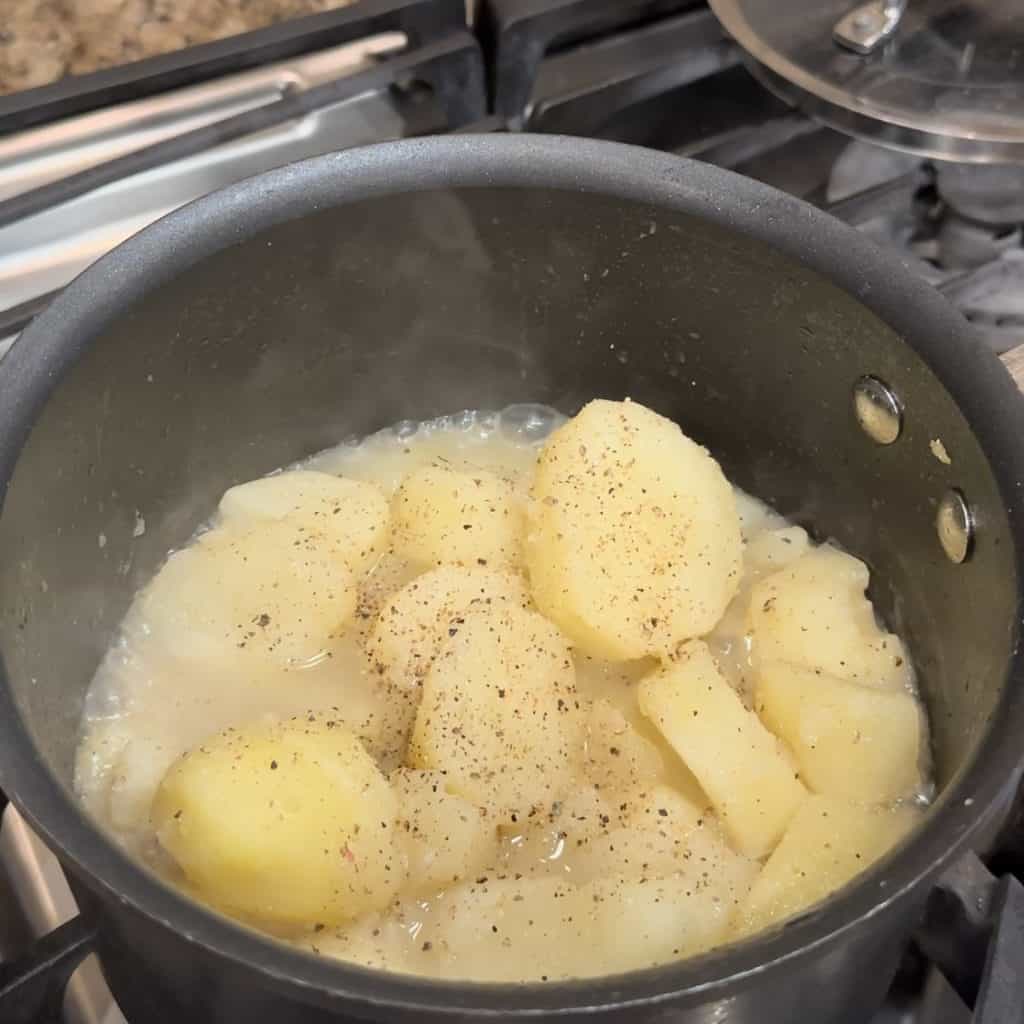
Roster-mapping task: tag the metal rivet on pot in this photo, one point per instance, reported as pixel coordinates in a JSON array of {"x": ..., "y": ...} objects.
[
  {"x": 955, "y": 525},
  {"x": 878, "y": 410}
]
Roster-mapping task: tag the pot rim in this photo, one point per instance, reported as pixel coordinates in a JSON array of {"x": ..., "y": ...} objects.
[{"x": 973, "y": 376}]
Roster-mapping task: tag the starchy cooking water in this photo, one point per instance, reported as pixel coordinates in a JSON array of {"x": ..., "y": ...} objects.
[{"x": 156, "y": 697}]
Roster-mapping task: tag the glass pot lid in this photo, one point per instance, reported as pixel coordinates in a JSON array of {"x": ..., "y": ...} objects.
[{"x": 943, "y": 78}]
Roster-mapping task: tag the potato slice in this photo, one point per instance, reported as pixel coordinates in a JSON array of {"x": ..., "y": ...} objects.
[
  {"x": 543, "y": 929},
  {"x": 500, "y": 714},
  {"x": 662, "y": 808},
  {"x": 272, "y": 592},
  {"x": 634, "y": 542},
  {"x": 445, "y": 517},
  {"x": 352, "y": 515},
  {"x": 547, "y": 843},
  {"x": 828, "y": 842},
  {"x": 849, "y": 740},
  {"x": 747, "y": 775},
  {"x": 638, "y": 853},
  {"x": 814, "y": 613},
  {"x": 287, "y": 822},
  {"x": 513, "y": 930},
  {"x": 544, "y": 921},
  {"x": 379, "y": 940},
  {"x": 413, "y": 624},
  {"x": 444, "y": 837},
  {"x": 643, "y": 922},
  {"x": 618, "y": 758},
  {"x": 767, "y": 551}
]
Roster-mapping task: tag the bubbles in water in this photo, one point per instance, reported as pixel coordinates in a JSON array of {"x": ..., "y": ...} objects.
[
  {"x": 622, "y": 355},
  {"x": 466, "y": 420},
  {"x": 529, "y": 422},
  {"x": 405, "y": 429},
  {"x": 487, "y": 423}
]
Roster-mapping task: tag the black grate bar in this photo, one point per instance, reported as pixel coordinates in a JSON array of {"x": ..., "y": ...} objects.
[
  {"x": 747, "y": 142},
  {"x": 420, "y": 21},
  {"x": 16, "y": 318},
  {"x": 451, "y": 66},
  {"x": 32, "y": 988},
  {"x": 878, "y": 200},
  {"x": 579, "y": 90},
  {"x": 518, "y": 33}
]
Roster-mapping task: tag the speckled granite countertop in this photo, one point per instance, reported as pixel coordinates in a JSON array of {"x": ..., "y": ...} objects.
[{"x": 44, "y": 40}]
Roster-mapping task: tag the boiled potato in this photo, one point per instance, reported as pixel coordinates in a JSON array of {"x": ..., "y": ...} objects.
[
  {"x": 446, "y": 517},
  {"x": 546, "y": 843},
  {"x": 498, "y": 928},
  {"x": 287, "y": 822},
  {"x": 444, "y": 837},
  {"x": 618, "y": 758},
  {"x": 849, "y": 740},
  {"x": 542, "y": 929},
  {"x": 378, "y": 940},
  {"x": 500, "y": 713},
  {"x": 643, "y": 922},
  {"x": 643, "y": 833},
  {"x": 638, "y": 853},
  {"x": 413, "y": 624},
  {"x": 772, "y": 550},
  {"x": 663, "y": 807},
  {"x": 768, "y": 550},
  {"x": 828, "y": 842},
  {"x": 748, "y": 777},
  {"x": 755, "y": 516},
  {"x": 634, "y": 540},
  {"x": 239, "y": 596},
  {"x": 352, "y": 516},
  {"x": 814, "y": 613}
]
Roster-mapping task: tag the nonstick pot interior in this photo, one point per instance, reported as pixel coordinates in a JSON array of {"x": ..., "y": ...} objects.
[{"x": 333, "y": 298}]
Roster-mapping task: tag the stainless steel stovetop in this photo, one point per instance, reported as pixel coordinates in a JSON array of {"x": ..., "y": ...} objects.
[{"x": 670, "y": 80}]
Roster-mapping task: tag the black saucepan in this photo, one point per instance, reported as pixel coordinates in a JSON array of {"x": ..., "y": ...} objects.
[{"x": 333, "y": 297}]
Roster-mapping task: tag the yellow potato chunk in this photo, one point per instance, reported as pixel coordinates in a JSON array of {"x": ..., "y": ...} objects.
[
  {"x": 446, "y": 517},
  {"x": 828, "y": 842},
  {"x": 618, "y": 758},
  {"x": 286, "y": 822},
  {"x": 664, "y": 807},
  {"x": 444, "y": 837},
  {"x": 542, "y": 929},
  {"x": 634, "y": 540},
  {"x": 643, "y": 922},
  {"x": 767, "y": 551},
  {"x": 413, "y": 624},
  {"x": 657, "y": 851},
  {"x": 373, "y": 940},
  {"x": 547, "y": 843},
  {"x": 748, "y": 777},
  {"x": 352, "y": 516},
  {"x": 500, "y": 713},
  {"x": 814, "y": 613},
  {"x": 273, "y": 592},
  {"x": 849, "y": 740}
]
